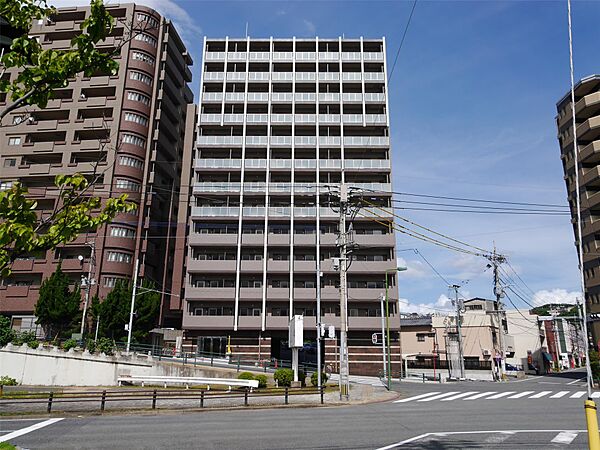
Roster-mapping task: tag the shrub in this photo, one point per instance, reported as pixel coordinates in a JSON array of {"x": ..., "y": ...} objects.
[
  {"x": 7, "y": 381},
  {"x": 314, "y": 379},
  {"x": 33, "y": 344},
  {"x": 245, "y": 376},
  {"x": 90, "y": 345},
  {"x": 262, "y": 380},
  {"x": 595, "y": 364},
  {"x": 284, "y": 377},
  {"x": 69, "y": 344},
  {"x": 105, "y": 345},
  {"x": 23, "y": 337}
]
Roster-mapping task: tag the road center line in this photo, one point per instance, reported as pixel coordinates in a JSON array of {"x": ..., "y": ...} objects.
[
  {"x": 437, "y": 397},
  {"x": 454, "y": 397},
  {"x": 541, "y": 394},
  {"x": 416, "y": 397},
  {"x": 29, "y": 429},
  {"x": 559, "y": 394},
  {"x": 500, "y": 395},
  {"x": 564, "y": 437},
  {"x": 476, "y": 396},
  {"x": 521, "y": 394}
]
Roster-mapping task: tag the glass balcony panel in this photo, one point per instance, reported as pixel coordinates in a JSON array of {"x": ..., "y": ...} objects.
[
  {"x": 234, "y": 96},
  {"x": 329, "y": 97},
  {"x": 280, "y": 187},
  {"x": 225, "y": 211},
  {"x": 329, "y": 140},
  {"x": 214, "y": 76},
  {"x": 376, "y": 118},
  {"x": 281, "y": 118},
  {"x": 305, "y": 140},
  {"x": 212, "y": 96},
  {"x": 329, "y": 76},
  {"x": 257, "y": 118},
  {"x": 329, "y": 118},
  {"x": 210, "y": 118},
  {"x": 367, "y": 140},
  {"x": 305, "y": 56},
  {"x": 330, "y": 164},
  {"x": 305, "y": 76},
  {"x": 305, "y": 211},
  {"x": 216, "y": 187},
  {"x": 352, "y": 118},
  {"x": 258, "y": 76},
  {"x": 237, "y": 56},
  {"x": 373, "y": 56},
  {"x": 282, "y": 96},
  {"x": 280, "y": 163},
  {"x": 283, "y": 56},
  {"x": 351, "y": 56},
  {"x": 367, "y": 163},
  {"x": 329, "y": 56},
  {"x": 259, "y": 56},
  {"x": 279, "y": 211},
  {"x": 351, "y": 76},
  {"x": 218, "y": 163},
  {"x": 253, "y": 211},
  {"x": 305, "y": 163},
  {"x": 258, "y": 96},
  {"x": 236, "y": 76},
  {"x": 255, "y": 163},
  {"x": 281, "y": 140},
  {"x": 374, "y": 76},
  {"x": 282, "y": 76},
  {"x": 256, "y": 186},
  {"x": 220, "y": 140},
  {"x": 374, "y": 97},
  {"x": 256, "y": 140},
  {"x": 233, "y": 118},
  {"x": 305, "y": 97},
  {"x": 214, "y": 56},
  {"x": 305, "y": 118},
  {"x": 352, "y": 97}
]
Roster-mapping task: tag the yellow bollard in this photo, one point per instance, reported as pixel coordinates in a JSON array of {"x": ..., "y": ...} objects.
[{"x": 592, "y": 425}]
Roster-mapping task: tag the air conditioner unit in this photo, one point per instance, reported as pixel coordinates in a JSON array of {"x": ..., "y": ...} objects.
[{"x": 486, "y": 352}]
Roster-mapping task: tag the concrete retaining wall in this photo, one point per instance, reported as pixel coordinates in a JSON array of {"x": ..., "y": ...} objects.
[{"x": 53, "y": 367}]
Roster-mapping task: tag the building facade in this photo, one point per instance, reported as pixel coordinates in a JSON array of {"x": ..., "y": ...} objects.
[
  {"x": 281, "y": 123},
  {"x": 587, "y": 118},
  {"x": 123, "y": 131}
]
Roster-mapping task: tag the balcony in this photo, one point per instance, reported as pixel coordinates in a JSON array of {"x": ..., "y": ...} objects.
[
  {"x": 210, "y": 118},
  {"x": 212, "y": 97},
  {"x": 372, "y": 267},
  {"x": 253, "y": 211},
  {"x": 590, "y": 153},
  {"x": 213, "y": 76},
  {"x": 255, "y": 187},
  {"x": 191, "y": 322},
  {"x": 374, "y": 97},
  {"x": 305, "y": 118},
  {"x": 233, "y": 118},
  {"x": 362, "y": 141},
  {"x": 305, "y": 97},
  {"x": 283, "y": 56},
  {"x": 367, "y": 164},
  {"x": 330, "y": 164},
  {"x": 251, "y": 293},
  {"x": 280, "y": 267},
  {"x": 285, "y": 141},
  {"x": 284, "y": 97},
  {"x": 234, "y": 97},
  {"x": 374, "y": 76},
  {"x": 305, "y": 266},
  {"x": 220, "y": 140},
  {"x": 257, "y": 118},
  {"x": 203, "y": 266},
  {"x": 218, "y": 164},
  {"x": 236, "y": 76},
  {"x": 309, "y": 141},
  {"x": 376, "y": 119},
  {"x": 280, "y": 187},
  {"x": 259, "y": 56},
  {"x": 305, "y": 293},
  {"x": 329, "y": 76},
  {"x": 329, "y": 56},
  {"x": 329, "y": 97},
  {"x": 280, "y": 163},
  {"x": 207, "y": 293},
  {"x": 216, "y": 187},
  {"x": 282, "y": 118},
  {"x": 257, "y": 140},
  {"x": 352, "y": 118},
  {"x": 351, "y": 56},
  {"x": 237, "y": 56},
  {"x": 352, "y": 97},
  {"x": 329, "y": 118},
  {"x": 258, "y": 76},
  {"x": 279, "y": 211},
  {"x": 204, "y": 239},
  {"x": 589, "y": 130},
  {"x": 306, "y": 76},
  {"x": 214, "y": 56},
  {"x": 282, "y": 76},
  {"x": 373, "y": 56},
  {"x": 255, "y": 163},
  {"x": 305, "y": 188},
  {"x": 258, "y": 97},
  {"x": 305, "y": 211},
  {"x": 305, "y": 163},
  {"x": 215, "y": 211},
  {"x": 330, "y": 140},
  {"x": 251, "y": 266},
  {"x": 306, "y": 56},
  {"x": 351, "y": 76}
]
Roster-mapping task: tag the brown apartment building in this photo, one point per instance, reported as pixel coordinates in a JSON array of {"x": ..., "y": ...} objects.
[
  {"x": 587, "y": 117},
  {"x": 282, "y": 121},
  {"x": 128, "y": 129}
]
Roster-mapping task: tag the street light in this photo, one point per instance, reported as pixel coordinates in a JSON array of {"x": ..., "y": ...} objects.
[{"x": 387, "y": 324}]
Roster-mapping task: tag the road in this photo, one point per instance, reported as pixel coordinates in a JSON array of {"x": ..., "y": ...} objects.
[{"x": 540, "y": 412}]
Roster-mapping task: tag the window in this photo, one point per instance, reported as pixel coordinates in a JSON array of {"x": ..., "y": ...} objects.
[
  {"x": 5, "y": 185},
  {"x": 137, "y": 97},
  {"x": 146, "y": 38},
  {"x": 111, "y": 281},
  {"x": 132, "y": 117},
  {"x": 151, "y": 21},
  {"x": 140, "y": 56},
  {"x": 420, "y": 337},
  {"x": 128, "y": 185},
  {"x": 10, "y": 162},
  {"x": 139, "y": 76},
  {"x": 131, "y": 162},
  {"x": 17, "y": 120},
  {"x": 134, "y": 140},
  {"x": 119, "y": 257},
  {"x": 14, "y": 141},
  {"x": 122, "y": 232}
]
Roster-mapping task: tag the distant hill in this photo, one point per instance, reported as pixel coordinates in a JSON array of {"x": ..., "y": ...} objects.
[{"x": 561, "y": 309}]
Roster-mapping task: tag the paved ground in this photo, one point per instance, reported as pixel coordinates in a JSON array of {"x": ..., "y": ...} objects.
[{"x": 520, "y": 422}]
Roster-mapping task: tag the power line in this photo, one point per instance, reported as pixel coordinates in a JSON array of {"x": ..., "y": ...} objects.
[
  {"x": 402, "y": 40},
  {"x": 432, "y": 268},
  {"x": 498, "y": 208}
]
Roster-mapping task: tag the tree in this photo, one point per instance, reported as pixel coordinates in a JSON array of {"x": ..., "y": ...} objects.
[
  {"x": 114, "y": 312},
  {"x": 41, "y": 71},
  {"x": 57, "y": 309},
  {"x": 6, "y": 332},
  {"x": 22, "y": 232}
]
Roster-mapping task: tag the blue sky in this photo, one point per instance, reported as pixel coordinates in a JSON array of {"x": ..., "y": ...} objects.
[{"x": 472, "y": 104}]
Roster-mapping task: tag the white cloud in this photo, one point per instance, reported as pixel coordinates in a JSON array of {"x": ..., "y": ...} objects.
[
  {"x": 185, "y": 24},
  {"x": 310, "y": 27},
  {"x": 442, "y": 305},
  {"x": 414, "y": 268},
  {"x": 545, "y": 296}
]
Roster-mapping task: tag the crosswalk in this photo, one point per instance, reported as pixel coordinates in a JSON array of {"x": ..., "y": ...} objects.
[{"x": 494, "y": 395}]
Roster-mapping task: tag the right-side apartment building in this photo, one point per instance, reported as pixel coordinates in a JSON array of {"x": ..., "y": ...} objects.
[
  {"x": 587, "y": 118},
  {"x": 282, "y": 123}
]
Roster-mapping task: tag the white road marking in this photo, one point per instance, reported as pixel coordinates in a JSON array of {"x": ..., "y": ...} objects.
[
  {"x": 521, "y": 394},
  {"x": 451, "y": 433},
  {"x": 416, "y": 397},
  {"x": 578, "y": 394},
  {"x": 595, "y": 394},
  {"x": 454, "y": 397},
  {"x": 27, "y": 430},
  {"x": 476, "y": 396},
  {"x": 500, "y": 395},
  {"x": 437, "y": 397},
  {"x": 559, "y": 394},
  {"x": 564, "y": 437},
  {"x": 575, "y": 381},
  {"x": 498, "y": 438},
  {"x": 541, "y": 394}
]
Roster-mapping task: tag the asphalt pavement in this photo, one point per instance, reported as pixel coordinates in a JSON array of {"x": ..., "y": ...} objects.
[{"x": 509, "y": 415}]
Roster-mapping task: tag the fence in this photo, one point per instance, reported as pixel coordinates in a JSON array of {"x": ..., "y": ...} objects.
[{"x": 101, "y": 398}]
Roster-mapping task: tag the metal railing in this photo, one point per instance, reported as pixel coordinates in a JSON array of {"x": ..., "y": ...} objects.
[{"x": 101, "y": 398}]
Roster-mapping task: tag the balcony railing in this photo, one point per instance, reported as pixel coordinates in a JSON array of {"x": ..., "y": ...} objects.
[
  {"x": 329, "y": 56},
  {"x": 280, "y": 187},
  {"x": 330, "y": 164},
  {"x": 329, "y": 76},
  {"x": 374, "y": 97},
  {"x": 281, "y": 140},
  {"x": 255, "y": 163},
  {"x": 259, "y": 56},
  {"x": 214, "y": 56},
  {"x": 210, "y": 118},
  {"x": 258, "y": 76},
  {"x": 234, "y": 96},
  {"x": 279, "y": 211},
  {"x": 329, "y": 140},
  {"x": 283, "y": 56},
  {"x": 217, "y": 187},
  {"x": 329, "y": 97},
  {"x": 256, "y": 140},
  {"x": 352, "y": 97},
  {"x": 374, "y": 76},
  {"x": 305, "y": 56},
  {"x": 257, "y": 118},
  {"x": 225, "y": 211},
  {"x": 282, "y": 118},
  {"x": 236, "y": 76},
  {"x": 218, "y": 163},
  {"x": 282, "y": 76},
  {"x": 237, "y": 56},
  {"x": 214, "y": 76},
  {"x": 253, "y": 211},
  {"x": 212, "y": 97},
  {"x": 305, "y": 211},
  {"x": 280, "y": 163},
  {"x": 258, "y": 96},
  {"x": 376, "y": 118},
  {"x": 305, "y": 140},
  {"x": 282, "y": 96},
  {"x": 220, "y": 140},
  {"x": 351, "y": 56},
  {"x": 351, "y": 76},
  {"x": 367, "y": 140},
  {"x": 233, "y": 118},
  {"x": 305, "y": 97},
  {"x": 367, "y": 163},
  {"x": 329, "y": 118},
  {"x": 305, "y": 118},
  {"x": 305, "y": 163},
  {"x": 373, "y": 56},
  {"x": 352, "y": 118},
  {"x": 306, "y": 76}
]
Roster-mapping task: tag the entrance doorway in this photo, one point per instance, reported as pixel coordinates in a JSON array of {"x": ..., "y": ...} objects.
[{"x": 211, "y": 346}]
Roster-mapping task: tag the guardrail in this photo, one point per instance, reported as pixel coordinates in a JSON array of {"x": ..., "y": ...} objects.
[
  {"x": 187, "y": 381},
  {"x": 153, "y": 396}
]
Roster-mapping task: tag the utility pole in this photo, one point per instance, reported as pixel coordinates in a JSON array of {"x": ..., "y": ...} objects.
[
  {"x": 498, "y": 312},
  {"x": 129, "y": 328},
  {"x": 461, "y": 356},
  {"x": 343, "y": 245},
  {"x": 88, "y": 286}
]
